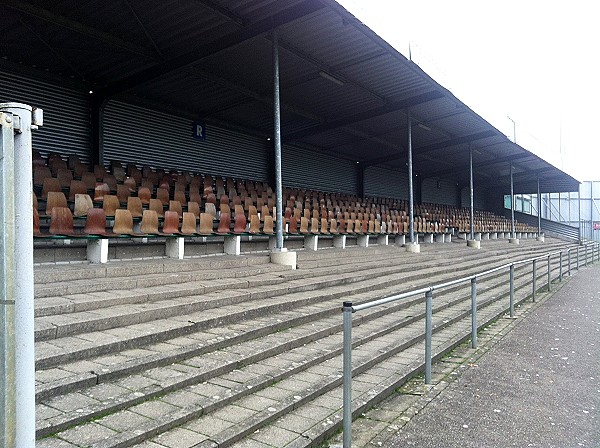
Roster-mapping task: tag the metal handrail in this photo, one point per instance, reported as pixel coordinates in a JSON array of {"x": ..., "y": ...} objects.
[{"x": 348, "y": 309}]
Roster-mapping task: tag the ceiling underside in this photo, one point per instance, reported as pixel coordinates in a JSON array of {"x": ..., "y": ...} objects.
[{"x": 344, "y": 90}]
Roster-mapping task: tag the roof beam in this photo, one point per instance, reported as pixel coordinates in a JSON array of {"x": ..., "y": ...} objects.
[
  {"x": 435, "y": 146},
  {"x": 480, "y": 165},
  {"x": 223, "y": 12},
  {"x": 73, "y": 25},
  {"x": 361, "y": 116},
  {"x": 210, "y": 48}
]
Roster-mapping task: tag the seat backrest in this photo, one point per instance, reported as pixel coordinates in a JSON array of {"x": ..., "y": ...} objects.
[
  {"x": 268, "y": 226},
  {"x": 324, "y": 226},
  {"x": 175, "y": 206},
  {"x": 110, "y": 204},
  {"x": 162, "y": 194},
  {"x": 206, "y": 224},
  {"x": 95, "y": 224},
  {"x": 254, "y": 224},
  {"x": 149, "y": 224},
  {"x": 304, "y": 225},
  {"x": 134, "y": 205},
  {"x": 83, "y": 202},
  {"x": 76, "y": 187},
  {"x": 171, "y": 223},
  {"x": 188, "y": 224},
  {"x": 55, "y": 199},
  {"x": 224, "y": 223},
  {"x": 50, "y": 184},
  {"x": 157, "y": 206},
  {"x": 123, "y": 222},
  {"x": 194, "y": 207},
  {"x": 240, "y": 223},
  {"x": 209, "y": 208},
  {"x": 61, "y": 221}
]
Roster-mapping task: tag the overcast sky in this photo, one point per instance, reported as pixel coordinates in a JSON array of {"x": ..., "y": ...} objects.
[{"x": 537, "y": 62}]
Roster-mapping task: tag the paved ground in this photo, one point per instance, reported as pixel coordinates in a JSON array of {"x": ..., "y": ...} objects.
[{"x": 538, "y": 387}]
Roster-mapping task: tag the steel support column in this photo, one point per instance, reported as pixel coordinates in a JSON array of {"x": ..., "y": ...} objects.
[
  {"x": 579, "y": 212},
  {"x": 539, "y": 198},
  {"x": 277, "y": 144},
  {"x": 410, "y": 180},
  {"x": 512, "y": 204},
  {"x": 472, "y": 237}
]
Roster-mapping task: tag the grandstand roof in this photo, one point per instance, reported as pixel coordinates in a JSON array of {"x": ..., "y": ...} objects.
[{"x": 344, "y": 90}]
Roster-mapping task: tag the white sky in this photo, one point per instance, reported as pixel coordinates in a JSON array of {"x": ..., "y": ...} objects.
[{"x": 535, "y": 61}]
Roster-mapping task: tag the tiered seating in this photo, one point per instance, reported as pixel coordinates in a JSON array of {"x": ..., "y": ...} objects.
[{"x": 154, "y": 202}]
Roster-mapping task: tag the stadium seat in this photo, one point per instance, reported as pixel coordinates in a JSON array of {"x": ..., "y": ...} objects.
[
  {"x": 95, "y": 224},
  {"x": 61, "y": 222},
  {"x": 224, "y": 223},
  {"x": 171, "y": 223},
  {"x": 188, "y": 224},
  {"x": 55, "y": 199},
  {"x": 83, "y": 202}
]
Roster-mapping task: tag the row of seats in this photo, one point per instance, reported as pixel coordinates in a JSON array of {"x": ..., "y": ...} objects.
[{"x": 205, "y": 205}]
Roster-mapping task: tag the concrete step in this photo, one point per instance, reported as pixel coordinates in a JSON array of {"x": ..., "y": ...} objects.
[
  {"x": 286, "y": 381},
  {"x": 101, "y": 342},
  {"x": 80, "y": 313},
  {"x": 76, "y": 398}
]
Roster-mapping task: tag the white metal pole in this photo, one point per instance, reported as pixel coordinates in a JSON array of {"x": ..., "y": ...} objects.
[
  {"x": 277, "y": 141},
  {"x": 23, "y": 259},
  {"x": 7, "y": 285}
]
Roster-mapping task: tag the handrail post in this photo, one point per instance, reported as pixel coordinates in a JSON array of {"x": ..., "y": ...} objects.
[
  {"x": 512, "y": 290},
  {"x": 560, "y": 266},
  {"x": 577, "y": 259},
  {"x": 569, "y": 260},
  {"x": 585, "y": 259},
  {"x": 347, "y": 375},
  {"x": 428, "y": 331},
  {"x": 549, "y": 274},
  {"x": 474, "y": 312},
  {"x": 534, "y": 281}
]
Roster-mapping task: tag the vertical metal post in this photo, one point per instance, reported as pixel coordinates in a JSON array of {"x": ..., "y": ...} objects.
[
  {"x": 472, "y": 212},
  {"x": 534, "y": 281},
  {"x": 23, "y": 278},
  {"x": 7, "y": 285},
  {"x": 549, "y": 274},
  {"x": 411, "y": 204},
  {"x": 577, "y": 259},
  {"x": 512, "y": 205},
  {"x": 347, "y": 376},
  {"x": 560, "y": 266},
  {"x": 569, "y": 261},
  {"x": 474, "y": 312},
  {"x": 539, "y": 198},
  {"x": 428, "y": 334},
  {"x": 511, "y": 295},
  {"x": 585, "y": 251},
  {"x": 579, "y": 217},
  {"x": 277, "y": 144}
]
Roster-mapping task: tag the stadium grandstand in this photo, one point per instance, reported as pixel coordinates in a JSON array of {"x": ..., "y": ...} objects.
[{"x": 209, "y": 182}]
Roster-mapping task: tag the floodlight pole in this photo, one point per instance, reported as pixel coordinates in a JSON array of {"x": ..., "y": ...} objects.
[
  {"x": 410, "y": 181},
  {"x": 472, "y": 237},
  {"x": 277, "y": 144}
]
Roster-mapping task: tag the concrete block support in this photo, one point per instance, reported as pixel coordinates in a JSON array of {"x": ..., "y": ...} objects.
[
  {"x": 400, "y": 240},
  {"x": 311, "y": 242},
  {"x": 477, "y": 236},
  {"x": 485, "y": 236},
  {"x": 519, "y": 235},
  {"x": 174, "y": 247},
  {"x": 382, "y": 240},
  {"x": 413, "y": 248},
  {"x": 513, "y": 240},
  {"x": 97, "y": 250},
  {"x": 541, "y": 238},
  {"x": 362, "y": 240},
  {"x": 428, "y": 238},
  {"x": 462, "y": 236},
  {"x": 494, "y": 236},
  {"x": 232, "y": 244},
  {"x": 283, "y": 257},
  {"x": 339, "y": 241},
  {"x": 475, "y": 244},
  {"x": 447, "y": 237},
  {"x": 272, "y": 242},
  {"x": 439, "y": 238}
]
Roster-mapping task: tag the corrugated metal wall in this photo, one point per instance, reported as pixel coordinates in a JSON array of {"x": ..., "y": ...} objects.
[
  {"x": 66, "y": 114},
  {"x": 385, "y": 182},
  {"x": 316, "y": 170},
  {"x": 439, "y": 191},
  {"x": 478, "y": 198},
  {"x": 148, "y": 137}
]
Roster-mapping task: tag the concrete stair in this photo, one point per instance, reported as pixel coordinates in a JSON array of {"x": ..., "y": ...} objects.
[{"x": 234, "y": 351}]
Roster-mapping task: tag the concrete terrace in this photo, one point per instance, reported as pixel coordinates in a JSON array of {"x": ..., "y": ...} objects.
[{"x": 224, "y": 351}]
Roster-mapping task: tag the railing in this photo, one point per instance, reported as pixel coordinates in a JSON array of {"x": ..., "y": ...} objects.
[{"x": 348, "y": 310}]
